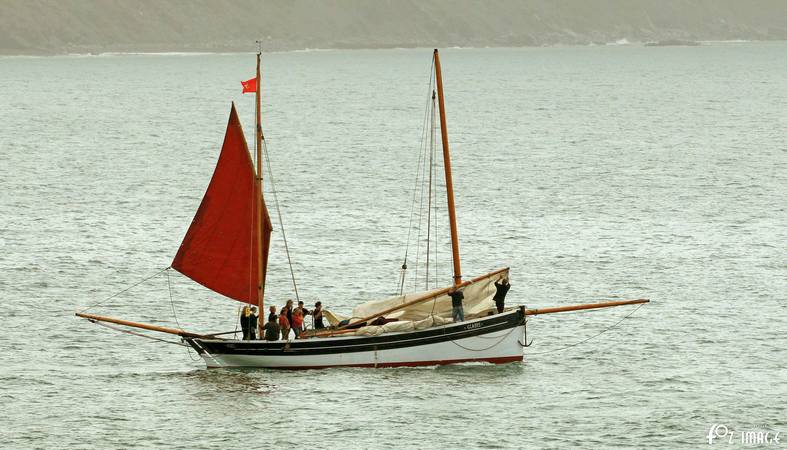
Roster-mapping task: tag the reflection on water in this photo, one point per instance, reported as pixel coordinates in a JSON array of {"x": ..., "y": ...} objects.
[{"x": 232, "y": 380}]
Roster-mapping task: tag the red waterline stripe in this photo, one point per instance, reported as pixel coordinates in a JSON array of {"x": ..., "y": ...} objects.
[{"x": 498, "y": 360}]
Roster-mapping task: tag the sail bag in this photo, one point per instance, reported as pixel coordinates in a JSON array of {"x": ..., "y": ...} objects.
[{"x": 220, "y": 247}]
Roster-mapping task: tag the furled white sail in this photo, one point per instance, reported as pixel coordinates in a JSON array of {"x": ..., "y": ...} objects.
[{"x": 437, "y": 311}]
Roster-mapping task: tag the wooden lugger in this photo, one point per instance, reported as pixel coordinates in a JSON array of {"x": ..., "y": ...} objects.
[{"x": 493, "y": 339}]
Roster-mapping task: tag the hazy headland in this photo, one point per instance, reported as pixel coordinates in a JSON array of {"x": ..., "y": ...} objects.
[{"x": 35, "y": 27}]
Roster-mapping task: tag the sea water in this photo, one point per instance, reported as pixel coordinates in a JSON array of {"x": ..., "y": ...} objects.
[{"x": 595, "y": 173}]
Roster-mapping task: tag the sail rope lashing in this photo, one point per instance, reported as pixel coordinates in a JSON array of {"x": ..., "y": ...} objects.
[
  {"x": 591, "y": 337},
  {"x": 266, "y": 156},
  {"x": 421, "y": 154},
  {"x": 125, "y": 290}
]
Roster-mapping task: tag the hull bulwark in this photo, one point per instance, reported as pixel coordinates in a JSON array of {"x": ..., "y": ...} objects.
[{"x": 494, "y": 339}]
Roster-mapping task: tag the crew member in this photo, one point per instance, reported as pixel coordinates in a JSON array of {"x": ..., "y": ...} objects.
[
  {"x": 272, "y": 313},
  {"x": 500, "y": 296},
  {"x": 271, "y": 329},
  {"x": 317, "y": 316},
  {"x": 289, "y": 312},
  {"x": 244, "y": 322},
  {"x": 284, "y": 324},
  {"x": 457, "y": 310},
  {"x": 297, "y": 322},
  {"x": 254, "y": 319}
]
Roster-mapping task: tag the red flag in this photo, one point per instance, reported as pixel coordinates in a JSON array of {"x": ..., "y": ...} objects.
[{"x": 249, "y": 85}]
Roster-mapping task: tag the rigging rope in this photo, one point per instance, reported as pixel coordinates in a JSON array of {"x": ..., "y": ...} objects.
[
  {"x": 422, "y": 169},
  {"x": 591, "y": 337},
  {"x": 487, "y": 348},
  {"x": 125, "y": 290},
  {"x": 436, "y": 191},
  {"x": 134, "y": 333},
  {"x": 421, "y": 154},
  {"x": 281, "y": 222},
  {"x": 429, "y": 191},
  {"x": 171, "y": 301}
]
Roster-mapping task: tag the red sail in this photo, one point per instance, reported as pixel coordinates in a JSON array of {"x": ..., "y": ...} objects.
[{"x": 219, "y": 250}]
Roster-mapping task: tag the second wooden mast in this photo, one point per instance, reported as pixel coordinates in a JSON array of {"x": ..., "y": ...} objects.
[
  {"x": 258, "y": 145},
  {"x": 449, "y": 184}
]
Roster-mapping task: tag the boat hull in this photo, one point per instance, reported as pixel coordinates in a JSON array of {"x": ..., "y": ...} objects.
[{"x": 495, "y": 339}]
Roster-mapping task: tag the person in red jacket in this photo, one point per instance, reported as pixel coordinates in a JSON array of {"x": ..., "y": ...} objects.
[
  {"x": 297, "y": 321},
  {"x": 284, "y": 324}
]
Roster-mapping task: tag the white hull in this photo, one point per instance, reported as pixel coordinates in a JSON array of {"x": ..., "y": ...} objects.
[{"x": 496, "y": 347}]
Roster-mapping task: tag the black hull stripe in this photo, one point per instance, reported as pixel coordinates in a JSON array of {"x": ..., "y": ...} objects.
[{"x": 319, "y": 346}]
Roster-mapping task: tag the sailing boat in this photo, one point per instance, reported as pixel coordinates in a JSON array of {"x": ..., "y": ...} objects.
[{"x": 226, "y": 250}]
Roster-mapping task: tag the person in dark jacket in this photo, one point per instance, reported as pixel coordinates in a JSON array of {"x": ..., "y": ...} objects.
[
  {"x": 500, "y": 296},
  {"x": 272, "y": 329},
  {"x": 254, "y": 319},
  {"x": 272, "y": 313},
  {"x": 457, "y": 309},
  {"x": 244, "y": 322},
  {"x": 317, "y": 316}
]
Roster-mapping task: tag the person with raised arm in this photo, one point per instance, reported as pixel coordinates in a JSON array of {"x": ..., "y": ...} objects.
[
  {"x": 457, "y": 309},
  {"x": 500, "y": 296}
]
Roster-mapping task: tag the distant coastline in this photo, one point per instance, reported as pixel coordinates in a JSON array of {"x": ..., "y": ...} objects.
[
  {"x": 251, "y": 50},
  {"x": 41, "y": 27}
]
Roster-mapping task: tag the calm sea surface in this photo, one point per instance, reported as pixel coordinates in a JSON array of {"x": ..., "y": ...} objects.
[{"x": 594, "y": 173}]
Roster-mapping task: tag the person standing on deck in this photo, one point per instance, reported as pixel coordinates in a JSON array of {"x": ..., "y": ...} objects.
[
  {"x": 284, "y": 324},
  {"x": 254, "y": 319},
  {"x": 500, "y": 296},
  {"x": 306, "y": 312},
  {"x": 244, "y": 322},
  {"x": 297, "y": 322},
  {"x": 289, "y": 312},
  {"x": 272, "y": 313},
  {"x": 272, "y": 329},
  {"x": 317, "y": 316},
  {"x": 457, "y": 309}
]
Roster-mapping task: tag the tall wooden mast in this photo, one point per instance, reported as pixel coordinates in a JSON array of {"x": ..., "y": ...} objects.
[
  {"x": 449, "y": 185},
  {"x": 258, "y": 145}
]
